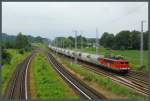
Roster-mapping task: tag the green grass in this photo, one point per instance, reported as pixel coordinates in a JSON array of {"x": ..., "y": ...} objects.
[
  {"x": 132, "y": 55},
  {"x": 8, "y": 69},
  {"x": 105, "y": 82},
  {"x": 43, "y": 47},
  {"x": 48, "y": 84}
]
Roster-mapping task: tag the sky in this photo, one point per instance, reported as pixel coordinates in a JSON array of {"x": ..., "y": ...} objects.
[{"x": 53, "y": 19}]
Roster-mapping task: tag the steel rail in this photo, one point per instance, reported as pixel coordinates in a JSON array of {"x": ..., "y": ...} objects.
[
  {"x": 121, "y": 79},
  {"x": 83, "y": 89}
]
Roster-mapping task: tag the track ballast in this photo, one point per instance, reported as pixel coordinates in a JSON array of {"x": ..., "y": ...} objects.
[{"x": 84, "y": 90}]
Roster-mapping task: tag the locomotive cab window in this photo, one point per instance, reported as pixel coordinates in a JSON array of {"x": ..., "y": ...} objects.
[{"x": 121, "y": 62}]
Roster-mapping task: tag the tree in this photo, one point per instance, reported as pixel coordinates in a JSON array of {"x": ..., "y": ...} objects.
[
  {"x": 72, "y": 44},
  {"x": 68, "y": 43},
  {"x": 79, "y": 39},
  {"x": 103, "y": 38},
  {"x": 107, "y": 40},
  {"x": 5, "y": 56},
  {"x": 9, "y": 44},
  {"x": 146, "y": 40},
  {"x": 122, "y": 40},
  {"x": 38, "y": 39},
  {"x": 135, "y": 40},
  {"x": 21, "y": 41}
]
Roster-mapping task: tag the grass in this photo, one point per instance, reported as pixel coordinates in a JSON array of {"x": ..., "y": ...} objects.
[
  {"x": 48, "y": 84},
  {"x": 8, "y": 69},
  {"x": 104, "y": 82},
  {"x": 42, "y": 46},
  {"x": 132, "y": 55}
]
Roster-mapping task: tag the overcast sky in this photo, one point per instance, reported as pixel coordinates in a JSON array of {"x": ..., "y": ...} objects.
[{"x": 51, "y": 19}]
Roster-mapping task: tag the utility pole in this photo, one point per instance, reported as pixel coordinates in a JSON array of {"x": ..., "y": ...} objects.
[
  {"x": 141, "y": 48},
  {"x": 97, "y": 46},
  {"x": 81, "y": 42},
  {"x": 75, "y": 46},
  {"x": 63, "y": 43},
  {"x": 56, "y": 45}
]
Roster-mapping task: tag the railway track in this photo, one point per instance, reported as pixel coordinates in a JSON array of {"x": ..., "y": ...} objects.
[
  {"x": 83, "y": 89},
  {"x": 135, "y": 82},
  {"x": 18, "y": 85},
  {"x": 128, "y": 81}
]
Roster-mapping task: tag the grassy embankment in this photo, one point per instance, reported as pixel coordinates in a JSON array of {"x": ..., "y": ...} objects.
[
  {"x": 109, "y": 88},
  {"x": 132, "y": 55},
  {"x": 46, "y": 82},
  {"x": 8, "y": 69}
]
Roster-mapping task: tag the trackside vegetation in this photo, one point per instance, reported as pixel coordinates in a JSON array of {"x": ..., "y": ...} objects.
[
  {"x": 48, "y": 84},
  {"x": 9, "y": 68},
  {"x": 111, "y": 89}
]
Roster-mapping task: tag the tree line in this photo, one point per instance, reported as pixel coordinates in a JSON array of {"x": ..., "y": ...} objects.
[
  {"x": 129, "y": 40},
  {"x": 20, "y": 42}
]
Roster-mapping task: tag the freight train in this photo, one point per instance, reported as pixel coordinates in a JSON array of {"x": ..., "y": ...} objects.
[{"x": 113, "y": 64}]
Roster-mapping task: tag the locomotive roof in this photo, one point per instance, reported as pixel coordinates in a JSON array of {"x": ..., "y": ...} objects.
[{"x": 116, "y": 60}]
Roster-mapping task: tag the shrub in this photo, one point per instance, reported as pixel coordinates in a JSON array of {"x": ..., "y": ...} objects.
[
  {"x": 21, "y": 51},
  {"x": 6, "y": 57}
]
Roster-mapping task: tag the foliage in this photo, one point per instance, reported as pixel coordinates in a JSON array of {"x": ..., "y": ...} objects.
[
  {"x": 107, "y": 40},
  {"x": 124, "y": 40},
  {"x": 38, "y": 39},
  {"x": 21, "y": 51},
  {"x": 21, "y": 41},
  {"x": 69, "y": 42},
  {"x": 6, "y": 57},
  {"x": 8, "y": 41},
  {"x": 48, "y": 84}
]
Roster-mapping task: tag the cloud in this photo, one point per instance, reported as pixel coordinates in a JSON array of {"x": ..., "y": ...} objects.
[{"x": 51, "y": 19}]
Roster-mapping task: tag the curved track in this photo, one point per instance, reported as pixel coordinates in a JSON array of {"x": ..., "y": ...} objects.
[
  {"x": 84, "y": 90},
  {"x": 133, "y": 80},
  {"x": 18, "y": 85}
]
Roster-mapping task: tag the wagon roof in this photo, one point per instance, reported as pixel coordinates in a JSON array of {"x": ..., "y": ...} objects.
[{"x": 94, "y": 55}]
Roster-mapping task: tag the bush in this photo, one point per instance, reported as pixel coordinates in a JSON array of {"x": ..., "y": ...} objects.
[
  {"x": 141, "y": 68},
  {"x": 6, "y": 57},
  {"x": 21, "y": 51},
  {"x": 27, "y": 48}
]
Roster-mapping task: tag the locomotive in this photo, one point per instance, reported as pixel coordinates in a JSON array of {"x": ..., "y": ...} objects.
[{"x": 113, "y": 64}]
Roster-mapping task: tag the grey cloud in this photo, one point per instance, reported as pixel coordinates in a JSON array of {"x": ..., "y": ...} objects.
[{"x": 51, "y": 19}]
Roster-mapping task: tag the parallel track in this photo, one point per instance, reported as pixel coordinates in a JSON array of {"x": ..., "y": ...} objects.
[
  {"x": 18, "y": 85},
  {"x": 128, "y": 81},
  {"x": 135, "y": 82},
  {"x": 83, "y": 89}
]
